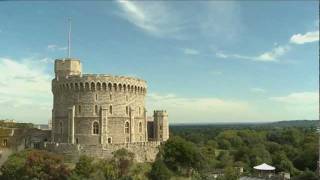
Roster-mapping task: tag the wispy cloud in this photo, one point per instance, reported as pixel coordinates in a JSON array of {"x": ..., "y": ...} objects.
[
  {"x": 301, "y": 98},
  {"x": 258, "y": 90},
  {"x": 184, "y": 109},
  {"x": 190, "y": 51},
  {"x": 269, "y": 56},
  {"x": 153, "y": 17},
  {"x": 25, "y": 88},
  {"x": 53, "y": 47},
  {"x": 305, "y": 38},
  {"x": 221, "y": 20}
]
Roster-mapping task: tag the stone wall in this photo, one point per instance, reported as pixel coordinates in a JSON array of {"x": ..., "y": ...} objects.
[
  {"x": 122, "y": 97},
  {"x": 144, "y": 151}
]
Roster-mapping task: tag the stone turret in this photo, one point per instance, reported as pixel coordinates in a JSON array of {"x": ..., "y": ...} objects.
[
  {"x": 160, "y": 125},
  {"x": 64, "y": 68}
]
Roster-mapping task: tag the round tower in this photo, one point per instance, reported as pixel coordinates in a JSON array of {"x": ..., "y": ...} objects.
[{"x": 96, "y": 108}]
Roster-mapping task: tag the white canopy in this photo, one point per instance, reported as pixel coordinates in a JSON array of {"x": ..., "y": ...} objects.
[{"x": 264, "y": 167}]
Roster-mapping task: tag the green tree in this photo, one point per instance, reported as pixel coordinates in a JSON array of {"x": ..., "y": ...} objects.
[
  {"x": 34, "y": 164},
  {"x": 180, "y": 155},
  {"x": 159, "y": 171},
  {"x": 85, "y": 167},
  {"x": 123, "y": 159}
]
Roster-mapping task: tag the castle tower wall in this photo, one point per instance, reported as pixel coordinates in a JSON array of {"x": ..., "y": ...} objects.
[
  {"x": 161, "y": 125},
  {"x": 101, "y": 99}
]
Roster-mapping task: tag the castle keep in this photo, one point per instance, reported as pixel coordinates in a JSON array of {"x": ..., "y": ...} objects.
[{"x": 95, "y": 114}]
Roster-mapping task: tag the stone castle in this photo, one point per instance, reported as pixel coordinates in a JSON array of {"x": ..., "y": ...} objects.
[{"x": 96, "y": 114}]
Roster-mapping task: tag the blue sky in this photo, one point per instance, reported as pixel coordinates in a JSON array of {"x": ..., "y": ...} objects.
[{"x": 203, "y": 61}]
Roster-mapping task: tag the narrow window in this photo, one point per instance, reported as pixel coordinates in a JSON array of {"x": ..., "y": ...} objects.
[
  {"x": 110, "y": 109},
  {"x": 95, "y": 128},
  {"x": 109, "y": 140},
  {"x": 77, "y": 141},
  {"x": 96, "y": 97},
  {"x": 140, "y": 127},
  {"x": 5, "y": 142},
  {"x": 160, "y": 127},
  {"x": 160, "y": 135},
  {"x": 60, "y": 127},
  {"x": 110, "y": 97},
  {"x": 96, "y": 109},
  {"x": 127, "y": 110},
  {"x": 79, "y": 109},
  {"x": 126, "y": 127}
]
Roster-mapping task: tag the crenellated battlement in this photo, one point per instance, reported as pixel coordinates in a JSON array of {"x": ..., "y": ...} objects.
[
  {"x": 160, "y": 113},
  {"x": 101, "y": 82}
]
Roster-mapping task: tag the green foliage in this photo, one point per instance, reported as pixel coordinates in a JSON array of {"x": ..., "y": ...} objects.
[
  {"x": 159, "y": 171},
  {"x": 34, "y": 164},
  {"x": 306, "y": 175},
  {"x": 181, "y": 156},
  {"x": 289, "y": 149},
  {"x": 84, "y": 167},
  {"x": 123, "y": 159}
]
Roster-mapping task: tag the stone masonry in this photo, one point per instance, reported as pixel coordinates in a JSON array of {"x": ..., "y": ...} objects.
[{"x": 103, "y": 112}]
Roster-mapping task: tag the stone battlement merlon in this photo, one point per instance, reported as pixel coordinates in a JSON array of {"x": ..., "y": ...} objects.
[
  {"x": 106, "y": 83},
  {"x": 160, "y": 113}
]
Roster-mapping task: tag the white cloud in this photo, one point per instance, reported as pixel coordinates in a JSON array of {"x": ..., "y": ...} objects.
[
  {"x": 190, "y": 51},
  {"x": 153, "y": 17},
  {"x": 302, "y": 98},
  {"x": 258, "y": 90},
  {"x": 269, "y": 56},
  {"x": 53, "y": 47},
  {"x": 25, "y": 90},
  {"x": 305, "y": 38},
  {"x": 195, "y": 110},
  {"x": 299, "y": 105}
]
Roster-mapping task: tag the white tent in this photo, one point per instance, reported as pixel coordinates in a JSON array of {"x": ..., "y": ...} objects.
[{"x": 264, "y": 167}]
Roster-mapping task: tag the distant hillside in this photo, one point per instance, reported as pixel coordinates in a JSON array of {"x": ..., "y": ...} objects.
[{"x": 278, "y": 124}]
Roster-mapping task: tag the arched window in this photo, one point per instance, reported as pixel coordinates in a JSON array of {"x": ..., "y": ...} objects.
[
  {"x": 110, "y": 109},
  {"x": 93, "y": 86},
  {"x": 140, "y": 127},
  {"x": 126, "y": 128},
  {"x": 95, "y": 128},
  {"x": 115, "y": 86},
  {"x": 81, "y": 86},
  {"x": 104, "y": 86},
  {"x": 98, "y": 86},
  {"x": 109, "y": 86},
  {"x": 86, "y": 86}
]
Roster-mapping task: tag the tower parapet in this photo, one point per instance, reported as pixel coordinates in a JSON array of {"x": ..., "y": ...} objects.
[{"x": 64, "y": 68}]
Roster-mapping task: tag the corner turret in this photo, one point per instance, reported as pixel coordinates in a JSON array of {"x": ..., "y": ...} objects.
[{"x": 64, "y": 68}]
